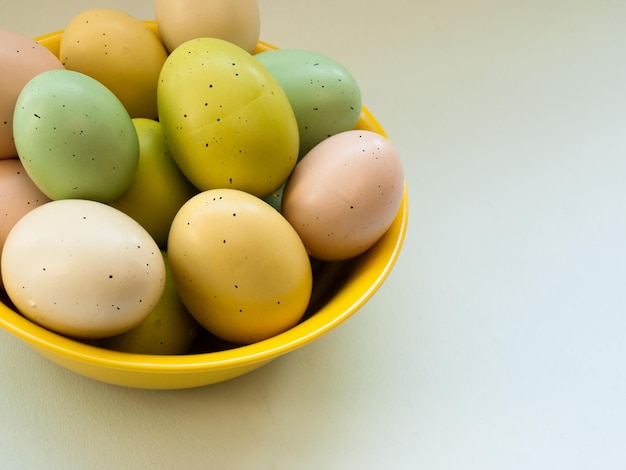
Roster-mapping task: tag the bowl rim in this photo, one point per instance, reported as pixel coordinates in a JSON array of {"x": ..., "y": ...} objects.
[{"x": 350, "y": 299}]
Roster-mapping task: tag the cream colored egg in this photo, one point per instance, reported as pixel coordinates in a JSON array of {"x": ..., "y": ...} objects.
[
  {"x": 236, "y": 21},
  {"x": 82, "y": 268}
]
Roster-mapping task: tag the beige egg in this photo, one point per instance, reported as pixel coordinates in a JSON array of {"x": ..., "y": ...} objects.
[
  {"x": 236, "y": 21},
  {"x": 344, "y": 194},
  {"x": 18, "y": 196},
  {"x": 21, "y": 58}
]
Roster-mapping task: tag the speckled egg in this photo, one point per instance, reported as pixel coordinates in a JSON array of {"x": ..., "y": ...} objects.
[
  {"x": 74, "y": 137},
  {"x": 226, "y": 120},
  {"x": 21, "y": 58},
  {"x": 239, "y": 267},
  {"x": 82, "y": 269},
  {"x": 324, "y": 95},
  {"x": 18, "y": 196},
  {"x": 344, "y": 194},
  {"x": 120, "y": 52}
]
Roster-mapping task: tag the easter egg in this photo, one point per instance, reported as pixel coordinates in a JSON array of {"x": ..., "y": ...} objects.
[
  {"x": 239, "y": 267},
  {"x": 226, "y": 120},
  {"x": 74, "y": 137},
  {"x": 120, "y": 52},
  {"x": 18, "y": 196},
  {"x": 159, "y": 188},
  {"x": 324, "y": 95},
  {"x": 344, "y": 194},
  {"x": 21, "y": 58},
  {"x": 82, "y": 268},
  {"x": 236, "y": 21}
]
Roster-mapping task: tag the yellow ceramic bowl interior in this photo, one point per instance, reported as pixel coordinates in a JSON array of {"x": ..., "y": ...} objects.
[{"x": 340, "y": 290}]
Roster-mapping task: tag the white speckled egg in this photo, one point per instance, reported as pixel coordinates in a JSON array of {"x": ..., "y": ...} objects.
[{"x": 82, "y": 268}]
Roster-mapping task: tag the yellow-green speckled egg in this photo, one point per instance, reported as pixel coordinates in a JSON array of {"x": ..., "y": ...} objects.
[{"x": 227, "y": 121}]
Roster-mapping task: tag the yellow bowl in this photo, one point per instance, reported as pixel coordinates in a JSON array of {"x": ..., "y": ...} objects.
[{"x": 340, "y": 290}]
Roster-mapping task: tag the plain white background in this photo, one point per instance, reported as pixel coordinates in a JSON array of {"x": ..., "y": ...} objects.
[{"x": 497, "y": 341}]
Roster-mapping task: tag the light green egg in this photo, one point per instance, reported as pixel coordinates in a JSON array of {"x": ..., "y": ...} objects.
[
  {"x": 74, "y": 137},
  {"x": 324, "y": 95}
]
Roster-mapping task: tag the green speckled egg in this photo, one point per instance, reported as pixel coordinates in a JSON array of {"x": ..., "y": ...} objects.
[
  {"x": 324, "y": 95},
  {"x": 74, "y": 137}
]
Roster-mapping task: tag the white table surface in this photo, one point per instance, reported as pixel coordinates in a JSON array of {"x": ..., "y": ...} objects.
[{"x": 497, "y": 341}]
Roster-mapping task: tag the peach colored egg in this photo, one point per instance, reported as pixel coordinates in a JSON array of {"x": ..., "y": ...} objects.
[
  {"x": 344, "y": 194},
  {"x": 21, "y": 58},
  {"x": 18, "y": 196}
]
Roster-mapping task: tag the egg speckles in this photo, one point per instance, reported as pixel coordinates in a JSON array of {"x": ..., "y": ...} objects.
[
  {"x": 344, "y": 194},
  {"x": 82, "y": 268}
]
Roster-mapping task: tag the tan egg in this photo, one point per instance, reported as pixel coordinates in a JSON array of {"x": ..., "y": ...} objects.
[
  {"x": 236, "y": 21},
  {"x": 344, "y": 194},
  {"x": 18, "y": 196},
  {"x": 21, "y": 58}
]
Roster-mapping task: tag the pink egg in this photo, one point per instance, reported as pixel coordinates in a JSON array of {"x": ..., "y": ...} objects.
[
  {"x": 18, "y": 195},
  {"x": 344, "y": 194},
  {"x": 21, "y": 58}
]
